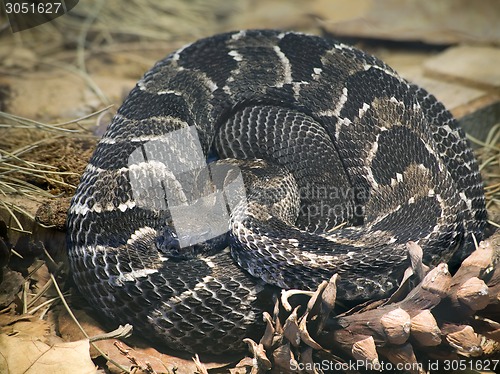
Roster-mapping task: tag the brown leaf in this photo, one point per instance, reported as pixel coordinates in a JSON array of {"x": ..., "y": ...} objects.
[
  {"x": 40, "y": 276},
  {"x": 28, "y": 326},
  {"x": 142, "y": 353},
  {"x": 70, "y": 331},
  {"x": 31, "y": 356}
]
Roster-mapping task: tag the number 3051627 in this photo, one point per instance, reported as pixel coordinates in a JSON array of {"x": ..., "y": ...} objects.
[{"x": 12, "y": 7}]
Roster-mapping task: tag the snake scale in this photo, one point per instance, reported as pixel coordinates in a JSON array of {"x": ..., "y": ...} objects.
[{"x": 257, "y": 160}]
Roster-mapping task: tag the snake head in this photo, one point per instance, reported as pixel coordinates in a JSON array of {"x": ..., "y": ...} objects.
[{"x": 169, "y": 244}]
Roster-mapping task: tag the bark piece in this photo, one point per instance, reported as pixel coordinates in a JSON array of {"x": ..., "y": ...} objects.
[
  {"x": 291, "y": 329},
  {"x": 403, "y": 355},
  {"x": 464, "y": 340},
  {"x": 267, "y": 338},
  {"x": 260, "y": 363},
  {"x": 425, "y": 330},
  {"x": 474, "y": 293},
  {"x": 284, "y": 359},
  {"x": 396, "y": 326},
  {"x": 366, "y": 351}
]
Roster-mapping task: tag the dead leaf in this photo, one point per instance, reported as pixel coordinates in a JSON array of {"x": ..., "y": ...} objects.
[
  {"x": 28, "y": 327},
  {"x": 142, "y": 353},
  {"x": 31, "y": 356},
  {"x": 68, "y": 329}
]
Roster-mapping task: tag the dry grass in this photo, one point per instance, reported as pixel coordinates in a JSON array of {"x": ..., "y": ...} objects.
[
  {"x": 39, "y": 160},
  {"x": 94, "y": 23},
  {"x": 488, "y": 155}
]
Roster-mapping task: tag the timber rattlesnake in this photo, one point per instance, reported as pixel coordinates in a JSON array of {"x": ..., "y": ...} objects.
[{"x": 334, "y": 137}]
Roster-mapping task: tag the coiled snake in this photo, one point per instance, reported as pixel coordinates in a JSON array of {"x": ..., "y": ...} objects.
[{"x": 345, "y": 163}]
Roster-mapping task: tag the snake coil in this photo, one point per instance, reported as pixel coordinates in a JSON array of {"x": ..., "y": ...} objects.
[{"x": 342, "y": 162}]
